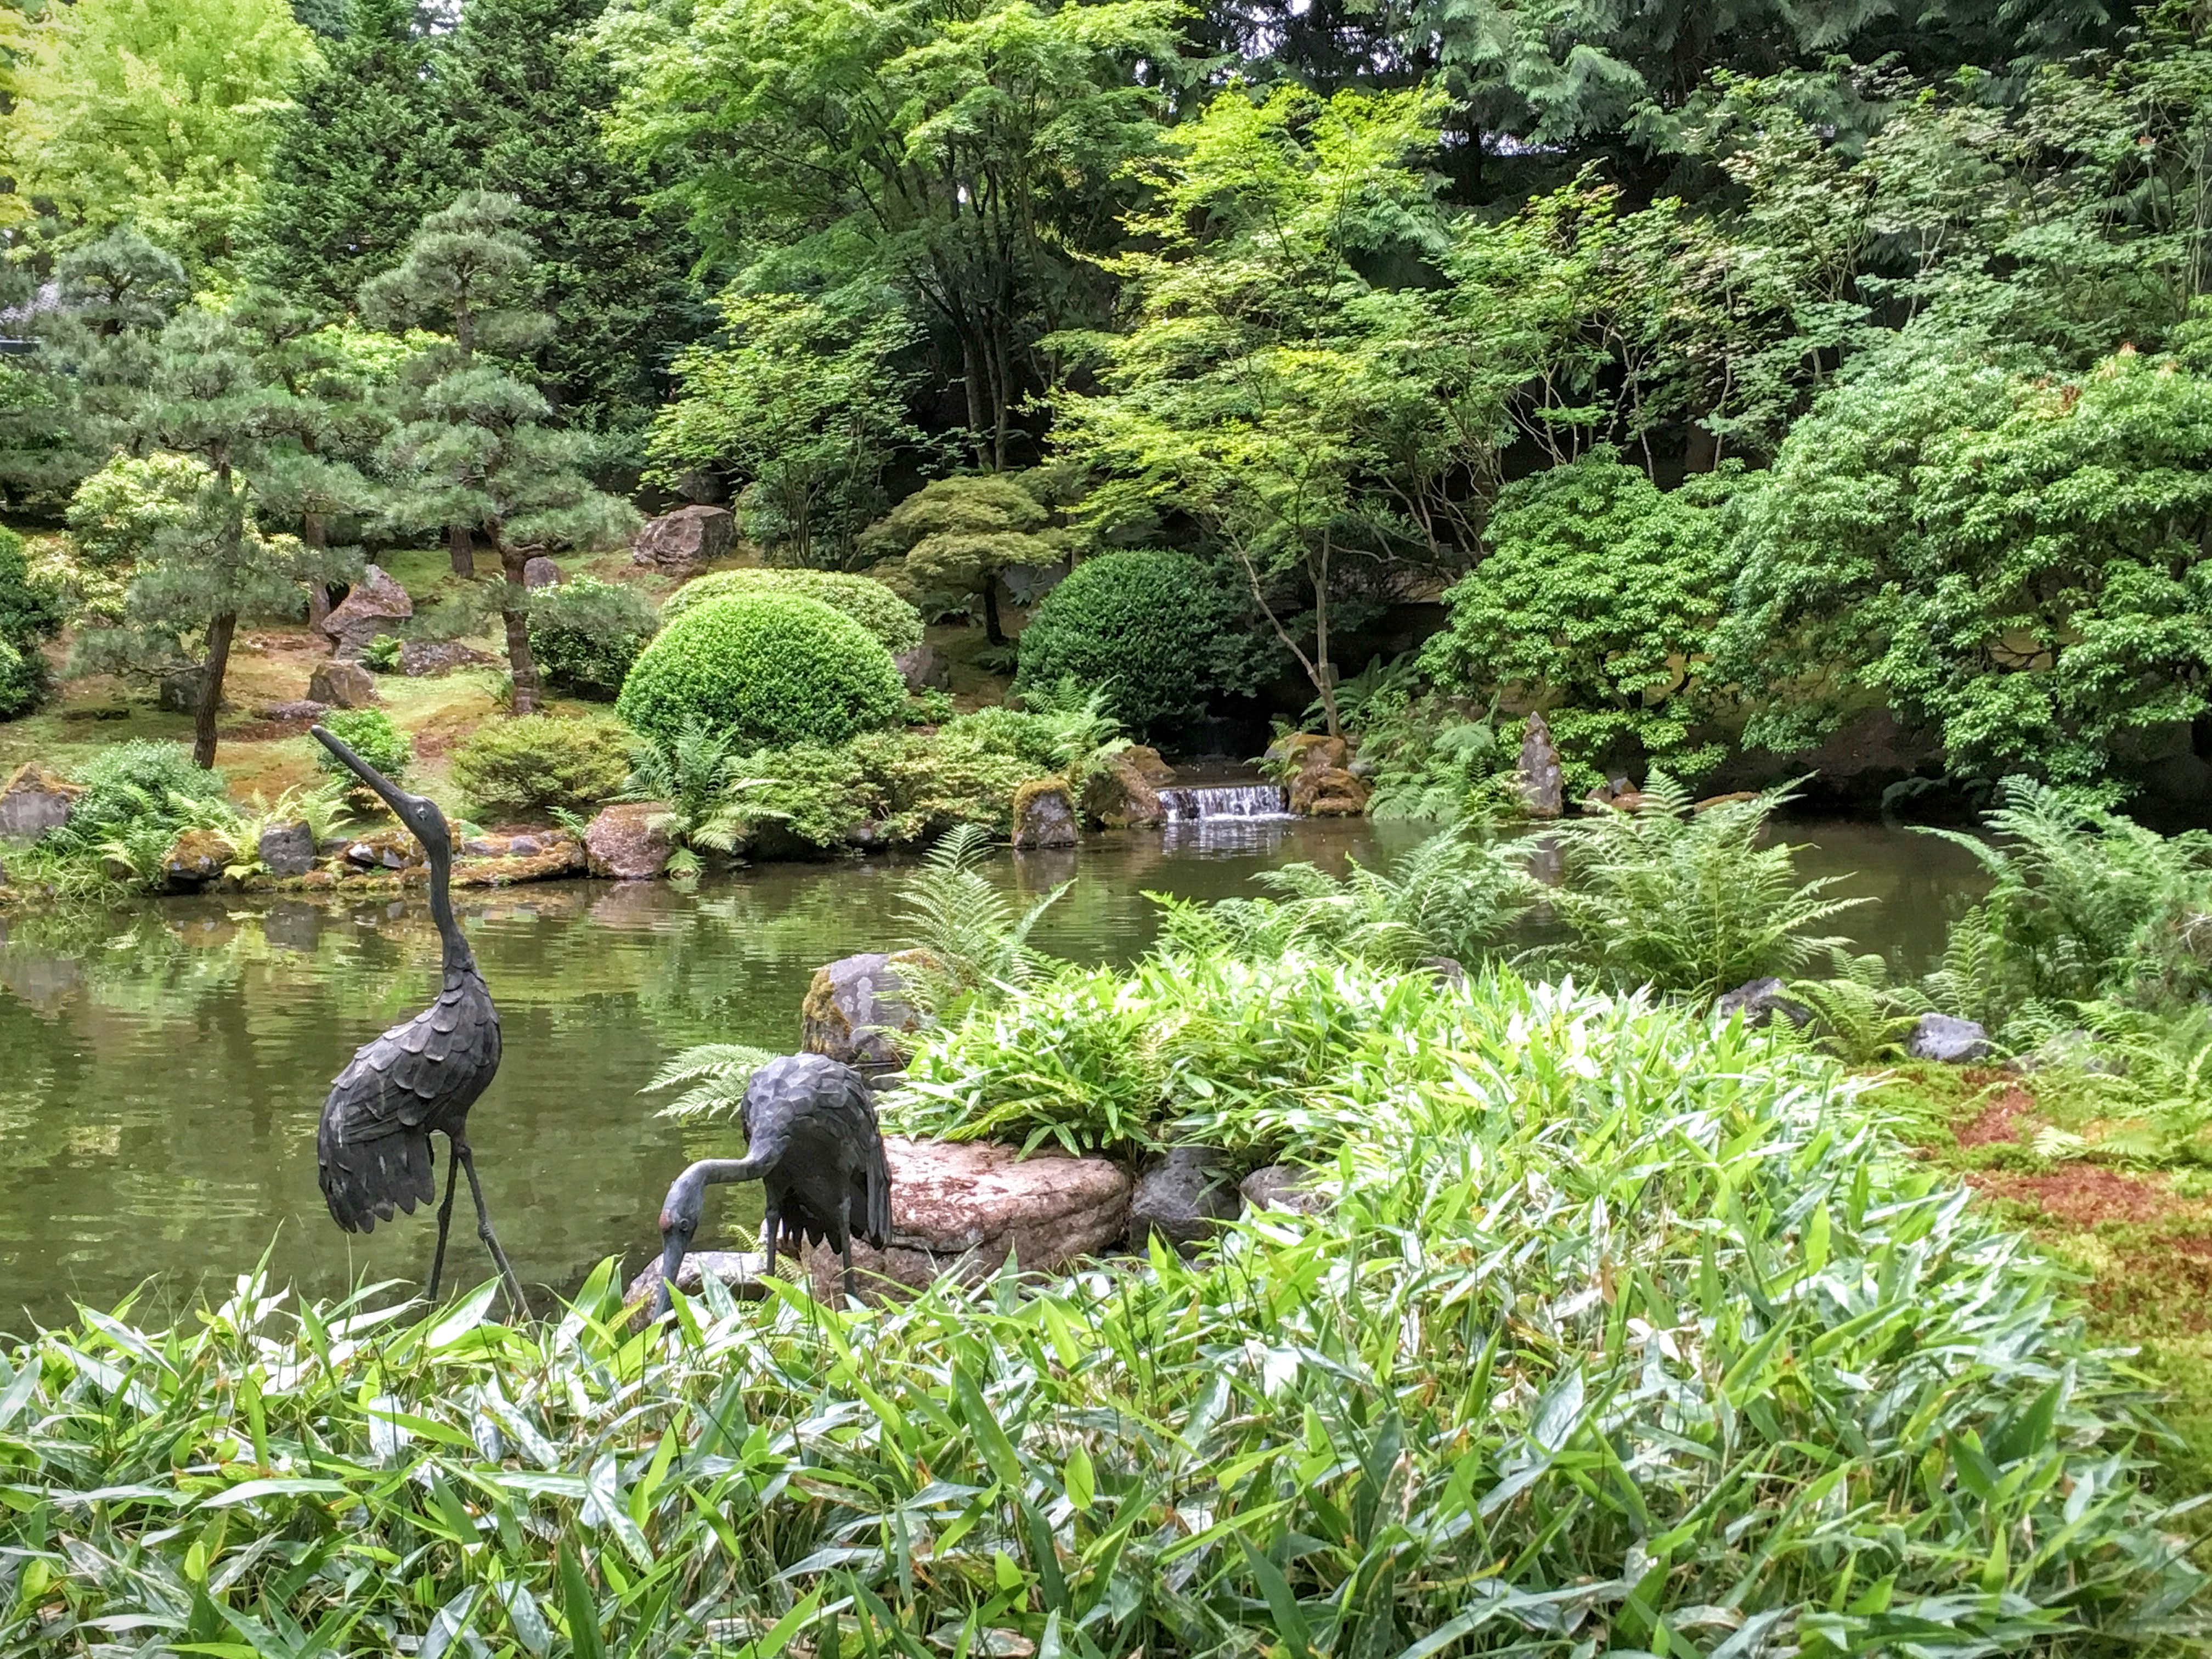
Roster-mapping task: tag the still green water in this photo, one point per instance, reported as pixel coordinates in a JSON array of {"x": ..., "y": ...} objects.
[{"x": 161, "y": 1067}]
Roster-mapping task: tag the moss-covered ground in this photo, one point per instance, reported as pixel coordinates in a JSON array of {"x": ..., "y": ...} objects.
[
  {"x": 2140, "y": 1239},
  {"x": 270, "y": 664}
]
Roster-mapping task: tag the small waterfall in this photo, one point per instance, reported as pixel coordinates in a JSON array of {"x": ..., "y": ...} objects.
[{"x": 1234, "y": 800}]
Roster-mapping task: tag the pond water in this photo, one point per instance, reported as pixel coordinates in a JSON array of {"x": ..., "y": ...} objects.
[{"x": 161, "y": 1067}]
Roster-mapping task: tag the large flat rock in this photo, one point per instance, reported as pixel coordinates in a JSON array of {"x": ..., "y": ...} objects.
[{"x": 963, "y": 1208}]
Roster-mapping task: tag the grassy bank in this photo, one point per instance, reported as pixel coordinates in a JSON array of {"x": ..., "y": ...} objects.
[{"x": 1619, "y": 1333}]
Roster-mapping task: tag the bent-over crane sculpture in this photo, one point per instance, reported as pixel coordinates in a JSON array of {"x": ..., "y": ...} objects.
[
  {"x": 420, "y": 1078},
  {"x": 811, "y": 1142}
]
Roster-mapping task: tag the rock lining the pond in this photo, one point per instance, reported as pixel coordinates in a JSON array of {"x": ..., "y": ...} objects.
[
  {"x": 340, "y": 684},
  {"x": 855, "y": 1011},
  {"x": 195, "y": 859},
  {"x": 376, "y": 605},
  {"x": 1125, "y": 793},
  {"x": 1947, "y": 1039},
  {"x": 1044, "y": 815},
  {"x": 1323, "y": 787},
  {"x": 1182, "y": 1198},
  {"x": 624, "y": 844},
  {"x": 1759, "y": 1000},
  {"x": 35, "y": 800},
  {"x": 966, "y": 1209},
  {"x": 287, "y": 849},
  {"x": 1539, "y": 776}
]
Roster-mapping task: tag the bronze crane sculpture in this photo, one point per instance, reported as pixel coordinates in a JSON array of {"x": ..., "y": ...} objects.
[
  {"x": 811, "y": 1142},
  {"x": 420, "y": 1078}
]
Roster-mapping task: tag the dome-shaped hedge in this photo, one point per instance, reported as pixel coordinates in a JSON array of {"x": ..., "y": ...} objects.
[
  {"x": 864, "y": 599},
  {"x": 776, "y": 667},
  {"x": 1156, "y": 630}
]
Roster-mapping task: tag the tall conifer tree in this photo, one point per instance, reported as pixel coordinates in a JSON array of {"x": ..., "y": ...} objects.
[
  {"x": 527, "y": 96},
  {"x": 364, "y": 152}
]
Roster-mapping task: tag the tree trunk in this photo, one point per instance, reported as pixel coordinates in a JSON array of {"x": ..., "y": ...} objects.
[
  {"x": 992, "y": 631},
  {"x": 211, "y": 673},
  {"x": 460, "y": 549},
  {"x": 314, "y": 531},
  {"x": 514, "y": 610},
  {"x": 1324, "y": 675}
]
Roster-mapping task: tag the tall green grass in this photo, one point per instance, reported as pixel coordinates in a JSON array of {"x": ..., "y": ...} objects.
[{"x": 1620, "y": 1335}]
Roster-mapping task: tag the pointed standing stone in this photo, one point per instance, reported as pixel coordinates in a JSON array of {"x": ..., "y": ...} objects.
[{"x": 1539, "y": 777}]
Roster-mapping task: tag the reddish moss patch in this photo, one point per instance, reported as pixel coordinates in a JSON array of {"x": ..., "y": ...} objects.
[
  {"x": 2081, "y": 1194},
  {"x": 2005, "y": 1117}
]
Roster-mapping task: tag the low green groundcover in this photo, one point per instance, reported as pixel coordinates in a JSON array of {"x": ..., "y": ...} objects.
[{"x": 1618, "y": 1335}]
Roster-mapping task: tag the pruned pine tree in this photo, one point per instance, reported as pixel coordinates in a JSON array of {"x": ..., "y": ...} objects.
[
  {"x": 210, "y": 417},
  {"x": 476, "y": 452}
]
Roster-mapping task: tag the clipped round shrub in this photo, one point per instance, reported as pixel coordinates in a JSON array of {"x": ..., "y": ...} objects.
[
  {"x": 586, "y": 634},
  {"x": 370, "y": 734},
  {"x": 539, "y": 763},
  {"x": 864, "y": 599},
  {"x": 1156, "y": 631},
  {"x": 775, "y": 668},
  {"x": 19, "y": 679}
]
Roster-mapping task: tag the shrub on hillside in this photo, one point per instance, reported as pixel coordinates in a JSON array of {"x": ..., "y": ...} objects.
[
  {"x": 540, "y": 763},
  {"x": 1598, "y": 602},
  {"x": 139, "y": 787},
  {"x": 864, "y": 599},
  {"x": 1155, "y": 630},
  {"x": 775, "y": 668},
  {"x": 30, "y": 610},
  {"x": 370, "y": 734},
  {"x": 586, "y": 634}
]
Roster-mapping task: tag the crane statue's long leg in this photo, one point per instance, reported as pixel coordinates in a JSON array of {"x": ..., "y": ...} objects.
[
  {"x": 845, "y": 1244},
  {"x": 445, "y": 1220},
  {"x": 771, "y": 1226},
  {"x": 514, "y": 1302}
]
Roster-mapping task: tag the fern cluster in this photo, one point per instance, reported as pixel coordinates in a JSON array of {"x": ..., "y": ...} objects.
[{"x": 967, "y": 942}]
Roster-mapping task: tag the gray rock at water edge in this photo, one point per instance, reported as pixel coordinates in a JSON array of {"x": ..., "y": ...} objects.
[
  {"x": 1945, "y": 1037},
  {"x": 288, "y": 849},
  {"x": 1539, "y": 777},
  {"x": 923, "y": 668},
  {"x": 686, "y": 538},
  {"x": 855, "y": 1011},
  {"x": 624, "y": 844},
  {"x": 376, "y": 605},
  {"x": 1759, "y": 1000},
  {"x": 342, "y": 685},
  {"x": 1043, "y": 817},
  {"x": 32, "y": 802},
  {"x": 1183, "y": 1197},
  {"x": 540, "y": 572},
  {"x": 1282, "y": 1187}
]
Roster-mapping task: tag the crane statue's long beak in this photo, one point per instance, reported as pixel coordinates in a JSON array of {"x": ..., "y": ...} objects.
[
  {"x": 360, "y": 769},
  {"x": 674, "y": 1242}
]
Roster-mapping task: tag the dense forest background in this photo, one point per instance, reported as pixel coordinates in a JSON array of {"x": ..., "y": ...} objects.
[{"x": 1732, "y": 381}]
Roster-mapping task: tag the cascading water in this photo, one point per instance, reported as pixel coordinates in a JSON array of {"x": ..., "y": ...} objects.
[{"x": 1243, "y": 801}]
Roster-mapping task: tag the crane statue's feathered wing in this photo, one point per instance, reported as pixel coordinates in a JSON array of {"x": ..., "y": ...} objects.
[
  {"x": 832, "y": 1102},
  {"x": 374, "y": 1146}
]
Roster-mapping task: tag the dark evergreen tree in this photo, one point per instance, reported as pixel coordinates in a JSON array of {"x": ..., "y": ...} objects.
[
  {"x": 362, "y": 155},
  {"x": 527, "y": 97}
]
